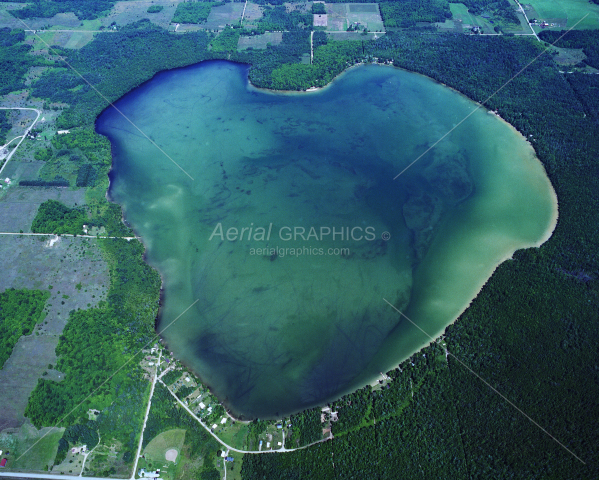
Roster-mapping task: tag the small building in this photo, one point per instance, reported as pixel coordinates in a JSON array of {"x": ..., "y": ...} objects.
[
  {"x": 79, "y": 449},
  {"x": 320, "y": 20},
  {"x": 3, "y": 462},
  {"x": 223, "y": 421},
  {"x": 214, "y": 426},
  {"x": 279, "y": 425},
  {"x": 143, "y": 474},
  {"x": 229, "y": 459},
  {"x": 202, "y": 406}
]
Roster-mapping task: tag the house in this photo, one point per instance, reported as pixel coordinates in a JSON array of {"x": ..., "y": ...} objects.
[
  {"x": 143, "y": 474},
  {"x": 3, "y": 462},
  {"x": 229, "y": 459}
]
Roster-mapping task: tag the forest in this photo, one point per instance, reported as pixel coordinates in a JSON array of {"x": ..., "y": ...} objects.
[
  {"x": 83, "y": 9},
  {"x": 20, "y": 311},
  {"x": 407, "y": 13},
  {"x": 81, "y": 433},
  {"x": 193, "y": 12},
  {"x": 54, "y": 217},
  {"x": 5, "y": 125},
  {"x": 14, "y": 60}
]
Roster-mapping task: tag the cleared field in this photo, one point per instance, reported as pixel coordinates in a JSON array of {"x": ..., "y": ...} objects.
[
  {"x": 228, "y": 14},
  {"x": 65, "y": 20},
  {"x": 357, "y": 36},
  {"x": 260, "y": 42},
  {"x": 568, "y": 56},
  {"x": 567, "y": 13},
  {"x": 342, "y": 15},
  {"x": 41, "y": 454},
  {"x": 252, "y": 13},
  {"x": 79, "y": 39},
  {"x": 169, "y": 442},
  {"x": 78, "y": 274},
  {"x": 124, "y": 13},
  {"x": 19, "y": 205},
  {"x": 234, "y": 434},
  {"x": 464, "y": 20}
]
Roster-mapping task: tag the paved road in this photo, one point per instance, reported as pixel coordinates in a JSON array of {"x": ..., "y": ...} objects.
[
  {"x": 141, "y": 437},
  {"x": 49, "y": 476},
  {"x": 80, "y": 30},
  {"x": 524, "y": 13},
  {"x": 39, "y": 112},
  {"x": 282, "y": 449},
  {"x": 62, "y": 235}
]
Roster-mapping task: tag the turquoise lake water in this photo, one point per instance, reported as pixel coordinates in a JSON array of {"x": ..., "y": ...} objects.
[{"x": 285, "y": 228}]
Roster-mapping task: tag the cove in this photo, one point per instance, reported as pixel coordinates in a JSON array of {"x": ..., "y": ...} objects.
[{"x": 278, "y": 218}]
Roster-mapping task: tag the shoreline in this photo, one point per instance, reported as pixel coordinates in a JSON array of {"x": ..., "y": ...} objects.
[
  {"x": 509, "y": 255},
  {"x": 547, "y": 234}
]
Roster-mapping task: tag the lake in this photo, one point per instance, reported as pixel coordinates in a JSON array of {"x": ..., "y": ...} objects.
[{"x": 282, "y": 221}]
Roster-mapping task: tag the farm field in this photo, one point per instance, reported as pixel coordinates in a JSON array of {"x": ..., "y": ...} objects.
[
  {"x": 124, "y": 13},
  {"x": 65, "y": 20},
  {"x": 259, "y": 42},
  {"x": 566, "y": 13},
  {"x": 463, "y": 20},
  {"x": 228, "y": 14},
  {"x": 341, "y": 15}
]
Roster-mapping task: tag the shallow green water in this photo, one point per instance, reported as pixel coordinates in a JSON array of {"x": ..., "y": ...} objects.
[{"x": 273, "y": 332}]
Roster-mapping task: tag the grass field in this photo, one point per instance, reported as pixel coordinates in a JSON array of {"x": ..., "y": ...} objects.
[
  {"x": 464, "y": 20},
  {"x": 228, "y": 14},
  {"x": 260, "y": 42},
  {"x": 570, "y": 11},
  {"x": 234, "y": 467},
  {"x": 41, "y": 454},
  {"x": 124, "y": 13},
  {"x": 171, "y": 439},
  {"x": 234, "y": 434}
]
